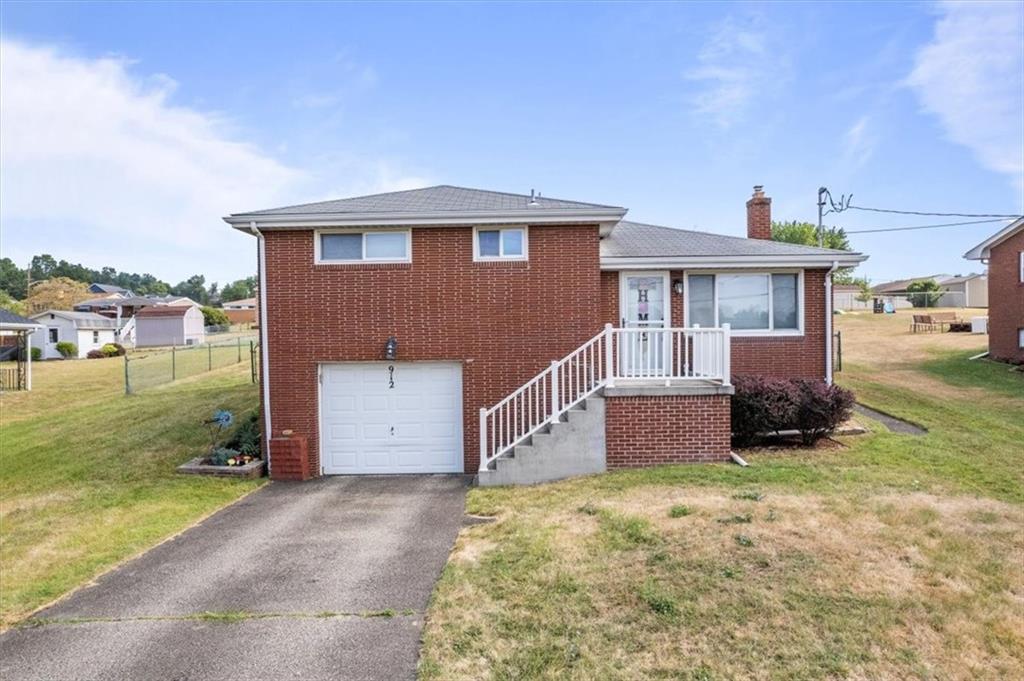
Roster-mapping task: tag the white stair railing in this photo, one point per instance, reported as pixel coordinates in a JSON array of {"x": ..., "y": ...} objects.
[
  {"x": 613, "y": 356},
  {"x": 126, "y": 334}
]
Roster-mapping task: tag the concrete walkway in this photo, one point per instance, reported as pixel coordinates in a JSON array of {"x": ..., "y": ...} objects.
[{"x": 320, "y": 580}]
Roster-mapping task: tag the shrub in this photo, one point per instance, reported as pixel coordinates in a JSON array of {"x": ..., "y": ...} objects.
[
  {"x": 67, "y": 349},
  {"x": 820, "y": 408},
  {"x": 761, "y": 405},
  {"x": 112, "y": 350},
  {"x": 95, "y": 354},
  {"x": 246, "y": 438},
  {"x": 220, "y": 456},
  {"x": 37, "y": 353},
  {"x": 213, "y": 316}
]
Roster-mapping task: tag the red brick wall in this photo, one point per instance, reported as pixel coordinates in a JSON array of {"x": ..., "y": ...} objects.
[
  {"x": 503, "y": 321},
  {"x": 1006, "y": 299},
  {"x": 647, "y": 431},
  {"x": 777, "y": 356}
]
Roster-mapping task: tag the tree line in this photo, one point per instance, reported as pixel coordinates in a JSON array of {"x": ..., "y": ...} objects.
[{"x": 51, "y": 278}]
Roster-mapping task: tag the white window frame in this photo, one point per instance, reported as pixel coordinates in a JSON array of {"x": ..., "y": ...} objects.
[
  {"x": 770, "y": 331},
  {"x": 317, "y": 246},
  {"x": 49, "y": 334},
  {"x": 501, "y": 244},
  {"x": 1021, "y": 278},
  {"x": 95, "y": 337}
]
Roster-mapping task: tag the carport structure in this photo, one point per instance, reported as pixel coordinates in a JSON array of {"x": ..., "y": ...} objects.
[{"x": 18, "y": 377}]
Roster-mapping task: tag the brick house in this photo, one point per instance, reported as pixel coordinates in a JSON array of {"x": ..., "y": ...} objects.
[
  {"x": 520, "y": 338},
  {"x": 1004, "y": 253}
]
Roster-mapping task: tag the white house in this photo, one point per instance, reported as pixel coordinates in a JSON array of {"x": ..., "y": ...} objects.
[
  {"x": 160, "y": 325},
  {"x": 87, "y": 330}
]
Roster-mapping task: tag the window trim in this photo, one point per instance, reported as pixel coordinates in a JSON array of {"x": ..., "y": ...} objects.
[
  {"x": 318, "y": 247},
  {"x": 50, "y": 332},
  {"x": 1020, "y": 279},
  {"x": 770, "y": 331},
  {"x": 501, "y": 244},
  {"x": 95, "y": 337}
]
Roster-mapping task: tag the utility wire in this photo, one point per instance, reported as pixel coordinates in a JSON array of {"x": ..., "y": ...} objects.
[
  {"x": 904, "y": 229},
  {"x": 941, "y": 215}
]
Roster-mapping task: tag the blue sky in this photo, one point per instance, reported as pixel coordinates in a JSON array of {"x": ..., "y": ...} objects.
[{"x": 128, "y": 130}]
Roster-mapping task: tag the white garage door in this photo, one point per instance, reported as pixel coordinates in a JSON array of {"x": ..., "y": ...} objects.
[{"x": 391, "y": 417}]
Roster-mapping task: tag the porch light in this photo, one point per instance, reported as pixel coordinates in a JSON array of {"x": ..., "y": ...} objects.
[
  {"x": 677, "y": 286},
  {"x": 391, "y": 348}
]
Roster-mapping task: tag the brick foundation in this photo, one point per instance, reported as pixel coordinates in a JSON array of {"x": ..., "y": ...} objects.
[{"x": 647, "y": 431}]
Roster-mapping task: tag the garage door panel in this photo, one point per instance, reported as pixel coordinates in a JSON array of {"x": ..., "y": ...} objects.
[{"x": 407, "y": 420}]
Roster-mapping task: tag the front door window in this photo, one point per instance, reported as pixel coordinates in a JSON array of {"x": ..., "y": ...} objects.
[{"x": 644, "y": 309}]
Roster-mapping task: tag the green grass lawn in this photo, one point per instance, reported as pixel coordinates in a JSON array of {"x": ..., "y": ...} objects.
[
  {"x": 87, "y": 474},
  {"x": 890, "y": 556}
]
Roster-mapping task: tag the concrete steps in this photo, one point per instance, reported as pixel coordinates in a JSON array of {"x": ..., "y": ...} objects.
[{"x": 575, "y": 445}]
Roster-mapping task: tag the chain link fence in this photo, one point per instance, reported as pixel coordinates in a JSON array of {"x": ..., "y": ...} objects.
[{"x": 149, "y": 368}]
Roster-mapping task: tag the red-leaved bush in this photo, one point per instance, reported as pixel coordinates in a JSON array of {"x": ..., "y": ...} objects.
[
  {"x": 764, "y": 405},
  {"x": 761, "y": 405}
]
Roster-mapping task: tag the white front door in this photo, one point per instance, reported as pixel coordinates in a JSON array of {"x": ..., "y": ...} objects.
[
  {"x": 52, "y": 338},
  {"x": 391, "y": 417},
  {"x": 644, "y": 304}
]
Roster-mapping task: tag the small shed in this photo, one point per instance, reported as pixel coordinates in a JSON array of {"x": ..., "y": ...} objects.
[
  {"x": 163, "y": 325},
  {"x": 87, "y": 330},
  {"x": 14, "y": 327}
]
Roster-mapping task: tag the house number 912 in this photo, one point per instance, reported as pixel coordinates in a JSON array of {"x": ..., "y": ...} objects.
[{"x": 391, "y": 376}]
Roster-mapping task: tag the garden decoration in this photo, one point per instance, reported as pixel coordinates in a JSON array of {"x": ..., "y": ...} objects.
[{"x": 221, "y": 419}]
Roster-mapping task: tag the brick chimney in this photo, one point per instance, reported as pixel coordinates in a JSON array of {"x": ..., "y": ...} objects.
[{"x": 759, "y": 215}]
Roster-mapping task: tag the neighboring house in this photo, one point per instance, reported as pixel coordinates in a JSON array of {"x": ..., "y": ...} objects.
[
  {"x": 87, "y": 330},
  {"x": 19, "y": 330},
  {"x": 415, "y": 332},
  {"x": 163, "y": 325},
  {"x": 1004, "y": 254},
  {"x": 970, "y": 290},
  {"x": 109, "y": 289},
  {"x": 957, "y": 291},
  {"x": 241, "y": 311},
  {"x": 171, "y": 299},
  {"x": 115, "y": 307}
]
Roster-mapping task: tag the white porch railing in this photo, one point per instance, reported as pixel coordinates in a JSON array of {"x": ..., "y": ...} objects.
[{"x": 613, "y": 357}]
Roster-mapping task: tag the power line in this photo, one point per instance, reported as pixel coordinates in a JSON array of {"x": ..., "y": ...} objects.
[
  {"x": 941, "y": 215},
  {"x": 904, "y": 229}
]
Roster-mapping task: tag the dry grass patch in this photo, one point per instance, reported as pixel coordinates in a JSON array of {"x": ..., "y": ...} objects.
[{"x": 884, "y": 586}]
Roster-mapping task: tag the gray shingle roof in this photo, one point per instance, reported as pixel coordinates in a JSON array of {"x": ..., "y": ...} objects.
[
  {"x": 82, "y": 320},
  {"x": 635, "y": 240},
  {"x": 440, "y": 198},
  {"x": 8, "y": 317}
]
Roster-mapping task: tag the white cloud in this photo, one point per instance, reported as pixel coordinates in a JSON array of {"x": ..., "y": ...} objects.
[
  {"x": 971, "y": 75},
  {"x": 100, "y": 166},
  {"x": 87, "y": 145},
  {"x": 859, "y": 143},
  {"x": 737, "y": 64}
]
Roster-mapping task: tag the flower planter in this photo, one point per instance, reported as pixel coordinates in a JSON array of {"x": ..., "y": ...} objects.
[{"x": 253, "y": 469}]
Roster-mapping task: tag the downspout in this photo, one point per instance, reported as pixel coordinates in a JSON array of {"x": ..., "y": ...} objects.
[
  {"x": 828, "y": 322},
  {"x": 264, "y": 350}
]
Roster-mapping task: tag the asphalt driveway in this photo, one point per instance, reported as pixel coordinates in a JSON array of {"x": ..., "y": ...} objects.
[{"x": 320, "y": 580}]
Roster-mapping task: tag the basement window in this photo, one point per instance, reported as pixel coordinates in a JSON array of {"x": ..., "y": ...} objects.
[
  {"x": 751, "y": 303},
  {"x": 357, "y": 247},
  {"x": 499, "y": 243}
]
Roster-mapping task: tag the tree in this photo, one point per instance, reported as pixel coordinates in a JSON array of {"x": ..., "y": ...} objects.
[
  {"x": 194, "y": 287},
  {"x": 43, "y": 266},
  {"x": 11, "y": 305},
  {"x": 13, "y": 279},
  {"x": 237, "y": 290},
  {"x": 213, "y": 316},
  {"x": 59, "y": 293},
  {"x": 806, "y": 234},
  {"x": 924, "y": 293},
  {"x": 865, "y": 294}
]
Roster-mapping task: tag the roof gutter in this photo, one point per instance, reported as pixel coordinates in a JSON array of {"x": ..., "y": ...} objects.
[
  {"x": 828, "y": 322},
  {"x": 607, "y": 218},
  {"x": 730, "y": 261},
  {"x": 264, "y": 349}
]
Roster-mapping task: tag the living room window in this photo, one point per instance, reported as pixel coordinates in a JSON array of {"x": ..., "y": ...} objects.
[
  {"x": 752, "y": 303},
  {"x": 499, "y": 243},
  {"x": 370, "y": 246}
]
